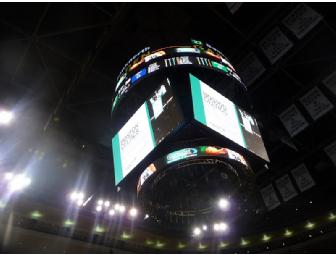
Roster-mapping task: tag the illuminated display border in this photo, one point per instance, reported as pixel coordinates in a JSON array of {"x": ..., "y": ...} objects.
[
  {"x": 188, "y": 153},
  {"x": 137, "y": 59},
  {"x": 200, "y": 61}
]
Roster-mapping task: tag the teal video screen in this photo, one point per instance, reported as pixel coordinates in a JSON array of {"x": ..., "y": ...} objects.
[
  {"x": 222, "y": 115},
  {"x": 150, "y": 124}
]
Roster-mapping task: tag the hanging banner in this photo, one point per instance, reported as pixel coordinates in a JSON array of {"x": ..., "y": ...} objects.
[
  {"x": 270, "y": 198},
  {"x": 250, "y": 68},
  {"x": 293, "y": 120},
  {"x": 301, "y": 20},
  {"x": 286, "y": 188},
  {"x": 233, "y": 7},
  {"x": 316, "y": 103},
  {"x": 275, "y": 45},
  {"x": 303, "y": 178},
  {"x": 330, "y": 82},
  {"x": 330, "y": 150}
]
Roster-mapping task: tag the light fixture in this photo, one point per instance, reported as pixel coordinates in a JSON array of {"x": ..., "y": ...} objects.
[
  {"x": 99, "y": 229},
  {"x": 332, "y": 216},
  {"x": 36, "y": 215},
  {"x": 204, "y": 227},
  {"x": 223, "y": 244},
  {"x": 244, "y": 242},
  {"x": 111, "y": 212},
  {"x": 201, "y": 246},
  {"x": 100, "y": 202},
  {"x": 133, "y": 212},
  {"x": 121, "y": 208},
  {"x": 223, "y": 226},
  {"x": 99, "y": 208},
  {"x": 8, "y": 176},
  {"x": 223, "y": 204},
  {"x": 80, "y": 195},
  {"x": 146, "y": 217},
  {"x": 181, "y": 245},
  {"x": 288, "y": 233},
  {"x": 107, "y": 203},
  {"x": 19, "y": 182},
  {"x": 220, "y": 227},
  {"x": 310, "y": 225},
  {"x": 266, "y": 238},
  {"x": 80, "y": 202},
  {"x": 68, "y": 223},
  {"x": 5, "y": 117},
  {"x": 197, "y": 231},
  {"x": 73, "y": 196}
]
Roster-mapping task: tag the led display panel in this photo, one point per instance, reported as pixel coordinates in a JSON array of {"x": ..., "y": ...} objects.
[
  {"x": 188, "y": 153},
  {"x": 150, "y": 124},
  {"x": 223, "y": 116}
]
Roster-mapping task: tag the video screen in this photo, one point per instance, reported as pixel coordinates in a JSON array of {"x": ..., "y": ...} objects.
[
  {"x": 222, "y": 115},
  {"x": 150, "y": 124}
]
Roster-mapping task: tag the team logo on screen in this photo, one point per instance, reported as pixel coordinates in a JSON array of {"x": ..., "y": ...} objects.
[
  {"x": 183, "y": 60},
  {"x": 154, "y": 55},
  {"x": 181, "y": 154},
  {"x": 153, "y": 67}
]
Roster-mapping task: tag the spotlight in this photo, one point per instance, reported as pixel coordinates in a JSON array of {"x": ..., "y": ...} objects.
[
  {"x": 133, "y": 212},
  {"x": 223, "y": 226},
  {"x": 80, "y": 195},
  {"x": 146, "y": 217},
  {"x": 116, "y": 206},
  {"x": 122, "y": 208},
  {"x": 80, "y": 202},
  {"x": 204, "y": 227},
  {"x": 19, "y": 182},
  {"x": 223, "y": 204},
  {"x": 99, "y": 208},
  {"x": 5, "y": 117},
  {"x": 107, "y": 203},
  {"x": 73, "y": 196},
  {"x": 100, "y": 202},
  {"x": 220, "y": 227},
  {"x": 197, "y": 231},
  {"x": 8, "y": 176},
  {"x": 111, "y": 212}
]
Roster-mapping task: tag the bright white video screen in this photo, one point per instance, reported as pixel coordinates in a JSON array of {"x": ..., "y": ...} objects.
[
  {"x": 151, "y": 123},
  {"x": 222, "y": 115}
]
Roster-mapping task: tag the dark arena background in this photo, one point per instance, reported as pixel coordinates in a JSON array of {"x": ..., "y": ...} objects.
[{"x": 167, "y": 128}]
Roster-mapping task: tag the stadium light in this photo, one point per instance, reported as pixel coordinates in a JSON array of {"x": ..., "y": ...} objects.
[
  {"x": 133, "y": 212},
  {"x": 8, "y": 176},
  {"x": 99, "y": 208},
  {"x": 223, "y": 204},
  {"x": 18, "y": 182},
  {"x": 197, "y": 231},
  {"x": 122, "y": 208},
  {"x": 220, "y": 227},
  {"x": 6, "y": 117}
]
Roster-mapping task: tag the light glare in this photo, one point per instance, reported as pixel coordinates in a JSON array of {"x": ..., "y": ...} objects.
[
  {"x": 197, "y": 231},
  {"x": 133, "y": 212},
  {"x": 5, "y": 117},
  {"x": 223, "y": 204}
]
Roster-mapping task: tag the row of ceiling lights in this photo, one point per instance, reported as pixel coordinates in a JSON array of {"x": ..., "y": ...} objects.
[
  {"x": 102, "y": 206},
  {"x": 218, "y": 227}
]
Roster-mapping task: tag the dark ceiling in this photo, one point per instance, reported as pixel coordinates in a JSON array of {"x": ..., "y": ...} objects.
[{"x": 59, "y": 63}]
